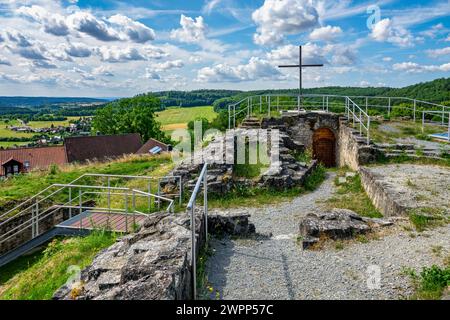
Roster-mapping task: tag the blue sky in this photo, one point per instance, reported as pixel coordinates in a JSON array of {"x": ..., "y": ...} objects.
[{"x": 121, "y": 48}]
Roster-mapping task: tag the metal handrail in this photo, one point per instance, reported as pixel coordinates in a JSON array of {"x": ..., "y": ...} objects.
[{"x": 202, "y": 179}]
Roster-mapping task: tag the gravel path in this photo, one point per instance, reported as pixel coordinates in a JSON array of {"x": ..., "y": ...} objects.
[{"x": 276, "y": 267}]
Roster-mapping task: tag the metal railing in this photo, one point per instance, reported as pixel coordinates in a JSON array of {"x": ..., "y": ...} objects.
[
  {"x": 359, "y": 117},
  {"x": 202, "y": 180},
  {"x": 445, "y": 122},
  {"x": 268, "y": 104},
  {"x": 25, "y": 205},
  {"x": 78, "y": 205}
]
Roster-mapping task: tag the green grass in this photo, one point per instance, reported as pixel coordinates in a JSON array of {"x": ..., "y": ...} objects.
[
  {"x": 8, "y": 144},
  {"x": 405, "y": 129},
  {"x": 4, "y": 132},
  {"x": 177, "y": 118},
  {"x": 352, "y": 196},
  {"x": 430, "y": 282},
  {"x": 51, "y": 270},
  {"x": 21, "y": 187},
  {"x": 258, "y": 197},
  {"x": 426, "y": 218}
]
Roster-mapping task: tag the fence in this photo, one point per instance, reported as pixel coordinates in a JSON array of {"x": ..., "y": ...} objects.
[{"x": 202, "y": 180}]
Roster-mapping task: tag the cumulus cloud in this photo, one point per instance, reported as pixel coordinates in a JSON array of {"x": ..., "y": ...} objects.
[
  {"x": 276, "y": 18},
  {"x": 255, "y": 69},
  {"x": 387, "y": 59},
  {"x": 438, "y": 52},
  {"x": 103, "y": 71},
  {"x": 311, "y": 54},
  {"x": 78, "y": 50},
  {"x": 327, "y": 33},
  {"x": 412, "y": 67},
  {"x": 87, "y": 23},
  {"x": 134, "y": 30},
  {"x": 191, "y": 31},
  {"x": 114, "y": 54},
  {"x": 18, "y": 38},
  {"x": 4, "y": 61},
  {"x": 169, "y": 65},
  {"x": 386, "y": 31},
  {"x": 152, "y": 75},
  {"x": 53, "y": 23},
  {"x": 210, "y": 5}
]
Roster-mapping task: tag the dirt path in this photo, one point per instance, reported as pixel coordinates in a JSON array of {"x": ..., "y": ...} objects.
[{"x": 276, "y": 267}]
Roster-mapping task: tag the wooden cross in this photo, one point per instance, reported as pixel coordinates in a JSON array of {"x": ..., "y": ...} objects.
[{"x": 300, "y": 66}]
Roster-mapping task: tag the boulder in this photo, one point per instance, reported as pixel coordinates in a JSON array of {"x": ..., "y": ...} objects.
[{"x": 335, "y": 224}]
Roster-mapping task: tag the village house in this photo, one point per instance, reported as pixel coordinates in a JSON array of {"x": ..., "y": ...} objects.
[{"x": 76, "y": 149}]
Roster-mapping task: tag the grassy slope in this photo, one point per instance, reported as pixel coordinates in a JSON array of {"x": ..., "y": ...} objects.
[
  {"x": 24, "y": 186},
  {"x": 175, "y": 117},
  {"x": 49, "y": 269}
]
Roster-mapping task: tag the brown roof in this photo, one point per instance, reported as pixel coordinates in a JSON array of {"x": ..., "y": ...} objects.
[
  {"x": 100, "y": 147},
  {"x": 38, "y": 157},
  {"x": 151, "y": 143}
]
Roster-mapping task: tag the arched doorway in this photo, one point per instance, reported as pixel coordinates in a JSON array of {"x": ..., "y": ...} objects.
[{"x": 324, "y": 143}]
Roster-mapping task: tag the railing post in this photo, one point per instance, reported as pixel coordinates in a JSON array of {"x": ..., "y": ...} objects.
[
  {"x": 133, "y": 204},
  {"x": 389, "y": 108},
  {"x": 109, "y": 195},
  {"x": 278, "y": 103},
  {"x": 367, "y": 104},
  {"x": 234, "y": 116},
  {"x": 229, "y": 117},
  {"x": 448, "y": 132},
  {"x": 414, "y": 110},
  {"x": 443, "y": 115},
  {"x": 423, "y": 121},
  {"x": 298, "y": 103},
  {"x": 36, "y": 212},
  {"x": 80, "y": 201},
  {"x": 268, "y": 104},
  {"x": 193, "y": 255},
  {"x": 149, "y": 198},
  {"x": 205, "y": 202},
  {"x": 33, "y": 225},
  {"x": 327, "y": 104},
  {"x": 159, "y": 194},
  {"x": 368, "y": 130},
  {"x": 360, "y": 122},
  {"x": 70, "y": 203},
  {"x": 126, "y": 212},
  {"x": 260, "y": 104}
]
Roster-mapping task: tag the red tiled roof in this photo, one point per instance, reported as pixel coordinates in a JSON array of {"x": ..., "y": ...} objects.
[
  {"x": 37, "y": 157},
  {"x": 151, "y": 143},
  {"x": 100, "y": 147}
]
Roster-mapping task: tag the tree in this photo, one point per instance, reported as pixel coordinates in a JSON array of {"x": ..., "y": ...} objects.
[{"x": 130, "y": 115}]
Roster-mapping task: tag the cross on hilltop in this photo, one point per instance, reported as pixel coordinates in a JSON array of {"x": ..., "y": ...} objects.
[{"x": 300, "y": 67}]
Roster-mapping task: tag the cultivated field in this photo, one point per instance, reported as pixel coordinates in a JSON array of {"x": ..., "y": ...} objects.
[{"x": 177, "y": 118}]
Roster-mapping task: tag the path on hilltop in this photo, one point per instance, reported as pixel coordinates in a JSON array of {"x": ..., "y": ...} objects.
[{"x": 276, "y": 267}]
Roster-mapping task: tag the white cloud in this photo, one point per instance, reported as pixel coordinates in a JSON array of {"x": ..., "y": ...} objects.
[
  {"x": 387, "y": 59},
  {"x": 191, "y": 30},
  {"x": 87, "y": 23},
  {"x": 78, "y": 50},
  {"x": 169, "y": 65},
  {"x": 327, "y": 33},
  {"x": 210, "y": 5},
  {"x": 412, "y": 67},
  {"x": 311, "y": 53},
  {"x": 276, "y": 18},
  {"x": 115, "y": 54},
  {"x": 135, "y": 31},
  {"x": 53, "y": 23},
  {"x": 4, "y": 61},
  {"x": 438, "y": 52},
  {"x": 386, "y": 31},
  {"x": 103, "y": 71},
  {"x": 255, "y": 69}
]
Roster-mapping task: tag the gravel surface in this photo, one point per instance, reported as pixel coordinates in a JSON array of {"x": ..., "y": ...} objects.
[
  {"x": 424, "y": 144},
  {"x": 276, "y": 267}
]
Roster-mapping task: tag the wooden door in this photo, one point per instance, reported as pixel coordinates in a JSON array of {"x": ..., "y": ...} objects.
[{"x": 324, "y": 147}]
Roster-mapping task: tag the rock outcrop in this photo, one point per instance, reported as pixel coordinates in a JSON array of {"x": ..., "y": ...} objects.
[
  {"x": 334, "y": 224},
  {"x": 154, "y": 263}
]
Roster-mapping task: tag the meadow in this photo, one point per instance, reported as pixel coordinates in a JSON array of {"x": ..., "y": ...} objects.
[{"x": 177, "y": 118}]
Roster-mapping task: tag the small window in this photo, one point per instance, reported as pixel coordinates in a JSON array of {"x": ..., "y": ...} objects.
[
  {"x": 16, "y": 169},
  {"x": 26, "y": 164}
]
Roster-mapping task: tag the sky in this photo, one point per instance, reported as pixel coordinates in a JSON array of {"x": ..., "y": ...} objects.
[{"x": 122, "y": 48}]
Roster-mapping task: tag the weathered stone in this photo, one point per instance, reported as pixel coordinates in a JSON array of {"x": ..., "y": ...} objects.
[
  {"x": 334, "y": 224},
  {"x": 155, "y": 262}
]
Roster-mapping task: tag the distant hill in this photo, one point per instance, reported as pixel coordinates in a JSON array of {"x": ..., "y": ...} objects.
[
  {"x": 28, "y": 102},
  {"x": 192, "y": 98}
]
